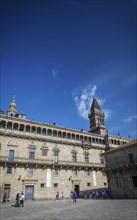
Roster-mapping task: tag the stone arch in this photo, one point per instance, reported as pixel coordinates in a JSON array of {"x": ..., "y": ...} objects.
[
  {"x": 27, "y": 128},
  {"x": 89, "y": 139},
  {"x": 38, "y": 130},
  {"x": 81, "y": 137},
  {"x": 55, "y": 133},
  {"x": 97, "y": 140},
  {"x": 93, "y": 140},
  {"x": 49, "y": 132},
  {"x": 21, "y": 127},
  {"x": 73, "y": 136},
  {"x": 85, "y": 138},
  {"x": 33, "y": 129},
  {"x": 68, "y": 135},
  {"x": 77, "y": 137},
  {"x": 2, "y": 124},
  {"x": 44, "y": 131},
  {"x": 9, "y": 125},
  {"x": 15, "y": 126},
  {"x": 64, "y": 135},
  {"x": 59, "y": 134}
]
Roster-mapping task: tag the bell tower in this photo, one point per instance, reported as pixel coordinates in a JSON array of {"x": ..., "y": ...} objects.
[
  {"x": 12, "y": 109},
  {"x": 97, "y": 119}
]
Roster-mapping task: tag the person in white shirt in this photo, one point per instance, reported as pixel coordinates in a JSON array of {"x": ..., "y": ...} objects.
[{"x": 22, "y": 199}]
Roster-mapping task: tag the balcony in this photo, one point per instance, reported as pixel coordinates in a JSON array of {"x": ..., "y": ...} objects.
[{"x": 42, "y": 162}]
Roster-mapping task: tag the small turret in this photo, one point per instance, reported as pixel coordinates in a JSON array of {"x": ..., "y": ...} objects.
[
  {"x": 12, "y": 109},
  {"x": 96, "y": 116}
]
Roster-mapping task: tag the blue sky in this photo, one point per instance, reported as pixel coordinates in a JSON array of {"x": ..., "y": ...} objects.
[{"x": 57, "y": 55}]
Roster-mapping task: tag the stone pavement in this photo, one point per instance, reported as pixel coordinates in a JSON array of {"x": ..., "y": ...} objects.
[{"x": 67, "y": 210}]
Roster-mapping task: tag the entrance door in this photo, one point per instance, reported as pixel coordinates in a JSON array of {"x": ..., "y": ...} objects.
[
  {"x": 7, "y": 190},
  {"x": 29, "y": 192},
  {"x": 76, "y": 187}
]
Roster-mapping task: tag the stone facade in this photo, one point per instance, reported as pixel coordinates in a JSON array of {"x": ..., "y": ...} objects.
[
  {"x": 41, "y": 159},
  {"x": 121, "y": 168}
]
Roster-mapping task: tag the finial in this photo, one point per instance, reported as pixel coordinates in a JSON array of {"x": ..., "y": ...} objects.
[{"x": 14, "y": 97}]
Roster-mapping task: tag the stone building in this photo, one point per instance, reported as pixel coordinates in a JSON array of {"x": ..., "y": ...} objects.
[
  {"x": 121, "y": 168},
  {"x": 41, "y": 159}
]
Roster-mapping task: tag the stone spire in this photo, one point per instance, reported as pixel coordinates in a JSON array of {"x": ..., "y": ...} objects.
[
  {"x": 12, "y": 109},
  {"x": 96, "y": 117},
  {"x": 95, "y": 105}
]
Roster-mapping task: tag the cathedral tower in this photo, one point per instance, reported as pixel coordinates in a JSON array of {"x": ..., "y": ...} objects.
[
  {"x": 96, "y": 117},
  {"x": 12, "y": 109}
]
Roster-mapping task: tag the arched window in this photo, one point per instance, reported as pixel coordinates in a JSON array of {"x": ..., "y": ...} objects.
[
  {"x": 77, "y": 137},
  {"x": 68, "y": 135},
  {"x": 49, "y": 132},
  {"x": 55, "y": 133},
  {"x": 2, "y": 124},
  {"x": 27, "y": 128},
  {"x": 9, "y": 125},
  {"x": 64, "y": 134},
  {"x": 21, "y": 127},
  {"x": 93, "y": 140},
  {"x": 15, "y": 126},
  {"x": 39, "y": 130},
  {"x": 59, "y": 134},
  {"x": 73, "y": 136},
  {"x": 33, "y": 130},
  {"x": 44, "y": 131}
]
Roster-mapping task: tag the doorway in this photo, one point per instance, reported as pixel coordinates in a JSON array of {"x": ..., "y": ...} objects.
[
  {"x": 7, "y": 190},
  {"x": 76, "y": 188},
  {"x": 29, "y": 192}
]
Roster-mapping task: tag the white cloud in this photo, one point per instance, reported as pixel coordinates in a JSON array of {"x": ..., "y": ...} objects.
[
  {"x": 130, "y": 118},
  {"x": 84, "y": 99},
  {"x": 54, "y": 73},
  {"x": 108, "y": 113}
]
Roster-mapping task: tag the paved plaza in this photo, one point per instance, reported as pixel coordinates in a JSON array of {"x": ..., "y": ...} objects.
[{"x": 67, "y": 210}]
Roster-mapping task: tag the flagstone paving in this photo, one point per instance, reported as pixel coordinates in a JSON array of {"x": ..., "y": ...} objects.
[{"x": 67, "y": 210}]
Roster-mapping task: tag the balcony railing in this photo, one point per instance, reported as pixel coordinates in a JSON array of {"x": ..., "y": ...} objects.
[{"x": 41, "y": 162}]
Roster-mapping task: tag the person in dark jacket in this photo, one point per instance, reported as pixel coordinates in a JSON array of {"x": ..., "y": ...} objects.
[
  {"x": 74, "y": 196},
  {"x": 4, "y": 198}
]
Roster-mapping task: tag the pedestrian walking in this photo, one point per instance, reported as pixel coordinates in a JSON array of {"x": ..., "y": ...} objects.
[
  {"x": 4, "y": 198},
  {"x": 57, "y": 196},
  {"x": 21, "y": 199},
  {"x": 74, "y": 196},
  {"x": 17, "y": 200},
  {"x": 62, "y": 196}
]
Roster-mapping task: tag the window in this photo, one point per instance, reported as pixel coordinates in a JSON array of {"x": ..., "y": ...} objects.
[
  {"x": 86, "y": 157},
  {"x": 134, "y": 179},
  {"x": 44, "y": 151},
  {"x": 56, "y": 172},
  {"x": 42, "y": 185},
  {"x": 102, "y": 160},
  {"x": 87, "y": 173},
  {"x": 11, "y": 155},
  {"x": 31, "y": 153},
  {"x": 56, "y": 153},
  {"x": 56, "y": 184},
  {"x": 9, "y": 170},
  {"x": 30, "y": 170},
  {"x": 75, "y": 172},
  {"x": 131, "y": 158},
  {"x": 105, "y": 184},
  {"x": 74, "y": 156},
  {"x": 88, "y": 184},
  {"x": 119, "y": 182}
]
